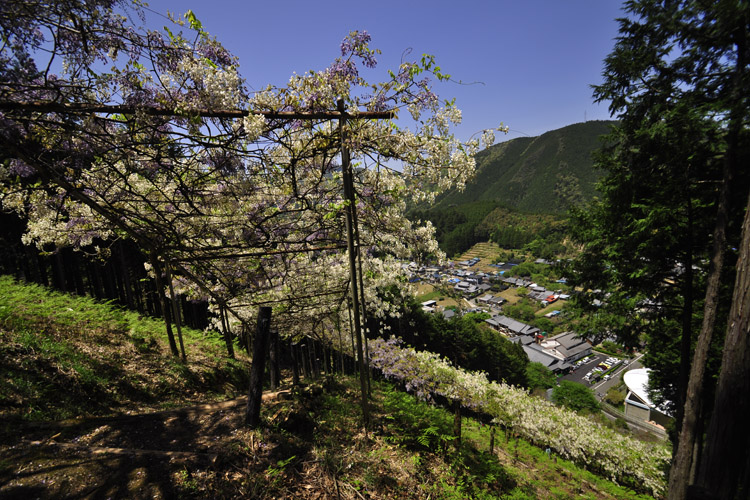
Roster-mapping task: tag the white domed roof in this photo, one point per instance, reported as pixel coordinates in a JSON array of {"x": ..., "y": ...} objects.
[{"x": 637, "y": 382}]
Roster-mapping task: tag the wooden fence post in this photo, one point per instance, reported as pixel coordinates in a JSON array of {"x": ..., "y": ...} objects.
[
  {"x": 260, "y": 348},
  {"x": 273, "y": 353}
]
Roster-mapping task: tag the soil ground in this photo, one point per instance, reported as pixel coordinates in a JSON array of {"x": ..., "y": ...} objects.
[{"x": 154, "y": 455}]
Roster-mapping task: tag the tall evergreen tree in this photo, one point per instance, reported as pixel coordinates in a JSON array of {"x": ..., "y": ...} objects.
[{"x": 672, "y": 201}]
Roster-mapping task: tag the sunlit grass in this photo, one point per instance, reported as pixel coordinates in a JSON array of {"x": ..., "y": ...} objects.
[
  {"x": 64, "y": 356},
  {"x": 410, "y": 451}
]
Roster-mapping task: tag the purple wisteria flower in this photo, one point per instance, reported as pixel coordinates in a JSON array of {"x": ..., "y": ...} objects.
[
  {"x": 21, "y": 169},
  {"x": 343, "y": 69}
]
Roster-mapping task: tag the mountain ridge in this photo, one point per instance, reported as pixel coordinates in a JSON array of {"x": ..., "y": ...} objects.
[{"x": 542, "y": 174}]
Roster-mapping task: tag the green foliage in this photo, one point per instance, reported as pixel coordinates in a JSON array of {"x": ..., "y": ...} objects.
[
  {"x": 477, "y": 317},
  {"x": 418, "y": 425},
  {"x": 539, "y": 376},
  {"x": 518, "y": 494},
  {"x": 575, "y": 396},
  {"x": 426, "y": 428},
  {"x": 470, "y": 344},
  {"x": 275, "y": 473},
  {"x": 457, "y": 228},
  {"x": 545, "y": 248},
  {"x": 510, "y": 237},
  {"x": 434, "y": 295},
  {"x": 612, "y": 347},
  {"x": 466, "y": 340},
  {"x": 540, "y": 235},
  {"x": 63, "y": 356},
  {"x": 615, "y": 396},
  {"x": 544, "y": 324},
  {"x": 525, "y": 269},
  {"x": 621, "y": 423},
  {"x": 648, "y": 238},
  {"x": 523, "y": 310},
  {"x": 395, "y": 464}
]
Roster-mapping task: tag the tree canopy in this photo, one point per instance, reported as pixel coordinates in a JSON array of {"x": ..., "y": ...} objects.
[
  {"x": 575, "y": 396},
  {"x": 111, "y": 130},
  {"x": 661, "y": 243}
]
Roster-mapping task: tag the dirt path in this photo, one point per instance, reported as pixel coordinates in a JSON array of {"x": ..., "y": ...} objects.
[{"x": 153, "y": 455}]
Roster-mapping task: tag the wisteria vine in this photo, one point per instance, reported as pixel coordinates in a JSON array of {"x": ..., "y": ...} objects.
[{"x": 572, "y": 436}]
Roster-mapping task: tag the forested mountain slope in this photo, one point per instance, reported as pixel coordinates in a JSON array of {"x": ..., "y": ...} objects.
[{"x": 543, "y": 174}]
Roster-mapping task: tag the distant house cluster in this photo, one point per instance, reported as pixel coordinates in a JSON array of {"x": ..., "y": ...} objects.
[
  {"x": 491, "y": 300},
  {"x": 469, "y": 263},
  {"x": 517, "y": 282},
  {"x": 465, "y": 281},
  {"x": 511, "y": 327},
  {"x": 430, "y": 306},
  {"x": 557, "y": 353}
]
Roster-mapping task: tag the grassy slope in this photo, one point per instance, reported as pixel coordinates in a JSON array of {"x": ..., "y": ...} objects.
[{"x": 64, "y": 357}]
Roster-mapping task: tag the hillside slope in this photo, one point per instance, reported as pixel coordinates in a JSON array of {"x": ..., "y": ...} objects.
[
  {"x": 542, "y": 174},
  {"x": 63, "y": 356},
  {"x": 107, "y": 371}
]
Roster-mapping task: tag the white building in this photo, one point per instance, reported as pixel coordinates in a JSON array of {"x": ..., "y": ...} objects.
[{"x": 638, "y": 404}]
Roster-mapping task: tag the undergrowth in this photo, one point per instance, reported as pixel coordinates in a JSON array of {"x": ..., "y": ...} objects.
[
  {"x": 314, "y": 442},
  {"x": 63, "y": 356}
]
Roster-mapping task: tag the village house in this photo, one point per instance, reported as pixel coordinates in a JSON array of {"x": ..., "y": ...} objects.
[
  {"x": 429, "y": 306},
  {"x": 518, "y": 282},
  {"x": 511, "y": 327},
  {"x": 568, "y": 347},
  {"x": 466, "y": 288},
  {"x": 538, "y": 354}
]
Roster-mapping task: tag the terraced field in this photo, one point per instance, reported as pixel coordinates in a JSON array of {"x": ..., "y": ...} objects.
[{"x": 486, "y": 252}]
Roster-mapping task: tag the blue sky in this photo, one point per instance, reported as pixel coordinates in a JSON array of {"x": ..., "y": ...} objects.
[{"x": 534, "y": 59}]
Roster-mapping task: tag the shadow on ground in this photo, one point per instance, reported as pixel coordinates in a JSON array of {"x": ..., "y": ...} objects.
[{"x": 142, "y": 456}]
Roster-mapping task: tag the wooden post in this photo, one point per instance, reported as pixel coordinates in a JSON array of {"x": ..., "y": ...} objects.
[
  {"x": 312, "y": 358},
  {"x": 260, "y": 348},
  {"x": 341, "y": 348},
  {"x": 175, "y": 310},
  {"x": 164, "y": 309},
  {"x": 226, "y": 332},
  {"x": 295, "y": 365},
  {"x": 327, "y": 369},
  {"x": 304, "y": 359},
  {"x": 362, "y": 296},
  {"x": 457, "y": 422},
  {"x": 492, "y": 439},
  {"x": 273, "y": 355},
  {"x": 346, "y": 168}
]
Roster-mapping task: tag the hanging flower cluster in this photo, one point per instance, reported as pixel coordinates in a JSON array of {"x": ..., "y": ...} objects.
[{"x": 153, "y": 136}]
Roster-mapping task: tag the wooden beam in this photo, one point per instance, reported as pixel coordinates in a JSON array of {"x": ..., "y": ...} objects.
[{"x": 83, "y": 107}]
